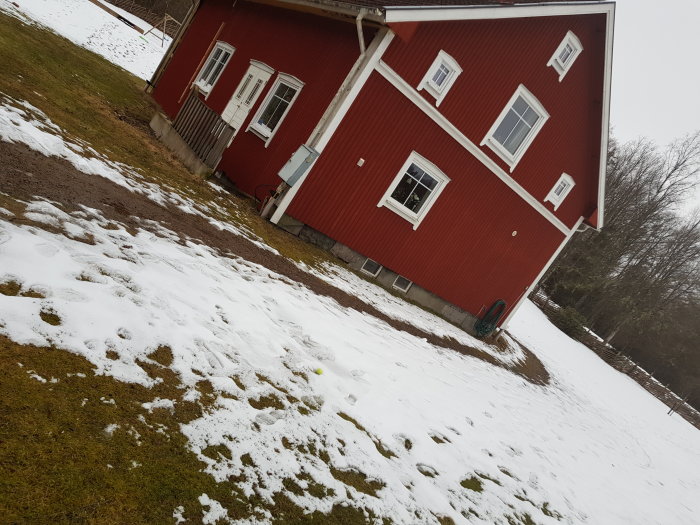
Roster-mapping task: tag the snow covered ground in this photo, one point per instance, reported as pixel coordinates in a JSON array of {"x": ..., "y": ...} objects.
[
  {"x": 86, "y": 25},
  {"x": 591, "y": 447}
]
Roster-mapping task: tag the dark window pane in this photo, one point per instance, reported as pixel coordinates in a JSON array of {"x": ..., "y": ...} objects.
[
  {"x": 506, "y": 127},
  {"x": 428, "y": 181},
  {"x": 516, "y": 137},
  {"x": 403, "y": 189},
  {"x": 520, "y": 106},
  {"x": 531, "y": 117},
  {"x": 417, "y": 198}
]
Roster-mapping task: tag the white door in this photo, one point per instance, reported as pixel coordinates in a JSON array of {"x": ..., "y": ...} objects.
[{"x": 246, "y": 94}]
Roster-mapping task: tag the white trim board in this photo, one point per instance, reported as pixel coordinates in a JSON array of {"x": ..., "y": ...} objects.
[
  {"x": 395, "y": 80},
  {"x": 395, "y": 14},
  {"x": 372, "y": 56},
  {"x": 605, "y": 131},
  {"x": 527, "y": 290}
]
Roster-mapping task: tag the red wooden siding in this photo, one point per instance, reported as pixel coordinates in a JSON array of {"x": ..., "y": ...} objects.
[
  {"x": 318, "y": 51},
  {"x": 497, "y": 56},
  {"x": 464, "y": 250}
]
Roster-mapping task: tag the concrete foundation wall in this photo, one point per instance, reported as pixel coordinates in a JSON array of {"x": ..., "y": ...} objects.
[
  {"x": 165, "y": 132},
  {"x": 385, "y": 277}
]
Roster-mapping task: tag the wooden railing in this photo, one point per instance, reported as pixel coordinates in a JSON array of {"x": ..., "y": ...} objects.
[
  {"x": 203, "y": 129},
  {"x": 624, "y": 364}
]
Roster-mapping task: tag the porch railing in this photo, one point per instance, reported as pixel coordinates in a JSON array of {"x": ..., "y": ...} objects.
[{"x": 203, "y": 129}]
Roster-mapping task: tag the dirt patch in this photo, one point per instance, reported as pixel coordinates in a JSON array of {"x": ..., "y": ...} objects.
[{"x": 35, "y": 175}]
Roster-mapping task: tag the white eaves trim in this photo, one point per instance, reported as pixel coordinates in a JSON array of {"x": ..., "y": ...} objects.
[
  {"x": 492, "y": 12},
  {"x": 605, "y": 131},
  {"x": 437, "y": 117}
]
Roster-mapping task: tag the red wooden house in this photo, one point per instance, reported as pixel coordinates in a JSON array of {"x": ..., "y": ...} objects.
[{"x": 450, "y": 149}]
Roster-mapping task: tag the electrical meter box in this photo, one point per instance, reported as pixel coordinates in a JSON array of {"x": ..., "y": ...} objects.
[{"x": 295, "y": 167}]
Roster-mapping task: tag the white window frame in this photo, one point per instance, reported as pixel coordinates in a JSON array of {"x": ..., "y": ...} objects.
[
  {"x": 439, "y": 91},
  {"x": 563, "y": 67},
  {"x": 489, "y": 140},
  {"x": 400, "y": 209},
  {"x": 263, "y": 132},
  {"x": 558, "y": 199},
  {"x": 363, "y": 270},
  {"x": 208, "y": 87},
  {"x": 404, "y": 290}
]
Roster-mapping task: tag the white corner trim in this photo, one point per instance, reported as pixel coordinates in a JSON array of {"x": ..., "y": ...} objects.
[
  {"x": 576, "y": 48},
  {"x": 492, "y": 12},
  {"x": 527, "y": 290},
  {"x": 439, "y": 92},
  {"x": 398, "y": 208},
  {"x": 512, "y": 159},
  {"x": 395, "y": 80},
  {"x": 605, "y": 131},
  {"x": 366, "y": 67}
]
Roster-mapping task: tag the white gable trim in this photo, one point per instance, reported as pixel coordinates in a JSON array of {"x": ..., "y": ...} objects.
[
  {"x": 449, "y": 128},
  {"x": 493, "y": 12},
  {"x": 605, "y": 131}
]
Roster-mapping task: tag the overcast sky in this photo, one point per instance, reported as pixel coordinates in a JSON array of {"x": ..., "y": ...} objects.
[{"x": 656, "y": 72}]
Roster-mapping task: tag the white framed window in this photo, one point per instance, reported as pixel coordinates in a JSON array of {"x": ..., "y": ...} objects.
[
  {"x": 275, "y": 106},
  {"x": 516, "y": 127},
  {"x": 401, "y": 283},
  {"x": 415, "y": 189},
  {"x": 565, "y": 55},
  {"x": 440, "y": 76},
  {"x": 214, "y": 66},
  {"x": 371, "y": 267},
  {"x": 560, "y": 190}
]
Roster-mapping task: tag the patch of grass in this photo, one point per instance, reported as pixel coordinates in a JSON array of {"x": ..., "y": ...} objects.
[
  {"x": 49, "y": 316},
  {"x": 440, "y": 440},
  {"x": 507, "y": 472},
  {"x": 357, "y": 480},
  {"x": 10, "y": 288},
  {"x": 520, "y": 519},
  {"x": 445, "y": 520},
  {"x": 162, "y": 355},
  {"x": 268, "y": 401},
  {"x": 112, "y": 354},
  {"x": 550, "y": 512},
  {"x": 238, "y": 382},
  {"x": 34, "y": 294},
  {"x": 427, "y": 470},
  {"x": 473, "y": 483},
  {"x": 377, "y": 442},
  {"x": 407, "y": 444},
  {"x": 214, "y": 451},
  {"x": 486, "y": 476}
]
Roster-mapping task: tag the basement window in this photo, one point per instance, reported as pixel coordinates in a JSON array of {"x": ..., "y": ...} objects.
[
  {"x": 560, "y": 190},
  {"x": 565, "y": 55},
  {"x": 275, "y": 107},
  {"x": 440, "y": 76},
  {"x": 214, "y": 66},
  {"x": 371, "y": 267},
  {"x": 516, "y": 127},
  {"x": 401, "y": 283},
  {"x": 415, "y": 189}
]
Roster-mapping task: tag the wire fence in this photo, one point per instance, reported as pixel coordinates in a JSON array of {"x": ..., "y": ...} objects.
[
  {"x": 627, "y": 366},
  {"x": 152, "y": 16}
]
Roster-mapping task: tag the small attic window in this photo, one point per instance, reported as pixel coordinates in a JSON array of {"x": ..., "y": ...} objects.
[
  {"x": 560, "y": 190},
  {"x": 401, "y": 283},
  {"x": 440, "y": 76},
  {"x": 565, "y": 55},
  {"x": 371, "y": 267}
]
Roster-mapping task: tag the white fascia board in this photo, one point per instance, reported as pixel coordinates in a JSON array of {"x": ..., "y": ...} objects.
[
  {"x": 527, "y": 290},
  {"x": 605, "y": 131},
  {"x": 372, "y": 56},
  {"x": 449, "y": 128},
  {"x": 395, "y": 14}
]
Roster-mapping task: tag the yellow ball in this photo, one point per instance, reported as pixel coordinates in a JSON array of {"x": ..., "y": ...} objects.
[{"x": 318, "y": 371}]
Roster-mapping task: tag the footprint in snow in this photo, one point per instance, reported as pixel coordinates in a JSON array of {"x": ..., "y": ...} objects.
[
  {"x": 351, "y": 399},
  {"x": 46, "y": 249},
  {"x": 269, "y": 418},
  {"x": 123, "y": 333}
]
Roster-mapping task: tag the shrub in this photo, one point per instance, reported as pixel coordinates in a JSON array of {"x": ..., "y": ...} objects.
[{"x": 569, "y": 321}]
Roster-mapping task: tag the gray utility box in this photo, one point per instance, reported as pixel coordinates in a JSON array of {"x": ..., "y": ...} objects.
[{"x": 295, "y": 167}]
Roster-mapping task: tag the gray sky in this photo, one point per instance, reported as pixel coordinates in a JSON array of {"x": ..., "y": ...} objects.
[{"x": 656, "y": 72}]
